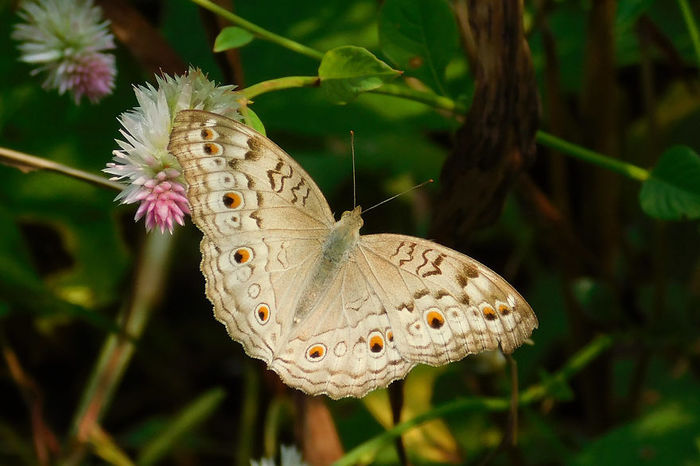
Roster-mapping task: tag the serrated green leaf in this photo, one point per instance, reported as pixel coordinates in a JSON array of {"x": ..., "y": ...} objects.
[
  {"x": 232, "y": 37},
  {"x": 419, "y": 36},
  {"x": 347, "y": 71},
  {"x": 672, "y": 191}
]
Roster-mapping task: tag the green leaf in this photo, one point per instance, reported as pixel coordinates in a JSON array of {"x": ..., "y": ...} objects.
[
  {"x": 232, "y": 37},
  {"x": 672, "y": 191},
  {"x": 419, "y": 36},
  {"x": 347, "y": 71},
  {"x": 251, "y": 119}
]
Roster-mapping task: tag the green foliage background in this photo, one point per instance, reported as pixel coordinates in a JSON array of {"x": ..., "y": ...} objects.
[{"x": 68, "y": 253}]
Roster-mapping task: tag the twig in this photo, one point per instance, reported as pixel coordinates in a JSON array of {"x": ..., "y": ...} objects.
[{"x": 26, "y": 162}]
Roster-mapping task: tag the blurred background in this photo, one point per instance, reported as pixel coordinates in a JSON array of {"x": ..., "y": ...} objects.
[{"x": 618, "y": 77}]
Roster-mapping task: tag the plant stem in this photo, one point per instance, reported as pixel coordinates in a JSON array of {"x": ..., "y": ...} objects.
[
  {"x": 26, "y": 162},
  {"x": 428, "y": 98},
  {"x": 258, "y": 31},
  {"x": 288, "y": 82},
  {"x": 692, "y": 27},
  {"x": 624, "y": 168},
  {"x": 118, "y": 348},
  {"x": 365, "y": 452}
]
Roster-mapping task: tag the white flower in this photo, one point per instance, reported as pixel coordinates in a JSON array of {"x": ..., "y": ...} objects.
[
  {"x": 66, "y": 38},
  {"x": 152, "y": 175}
]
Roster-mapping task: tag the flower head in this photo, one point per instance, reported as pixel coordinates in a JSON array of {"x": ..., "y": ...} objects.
[
  {"x": 66, "y": 38},
  {"x": 152, "y": 175}
]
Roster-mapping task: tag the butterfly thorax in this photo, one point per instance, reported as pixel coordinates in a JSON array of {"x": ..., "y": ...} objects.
[
  {"x": 343, "y": 237},
  {"x": 336, "y": 251}
]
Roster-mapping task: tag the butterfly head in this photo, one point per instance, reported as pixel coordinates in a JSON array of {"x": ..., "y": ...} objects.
[
  {"x": 352, "y": 219},
  {"x": 343, "y": 236}
]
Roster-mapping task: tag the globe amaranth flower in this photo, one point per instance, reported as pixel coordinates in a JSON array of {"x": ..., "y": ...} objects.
[
  {"x": 152, "y": 175},
  {"x": 66, "y": 40}
]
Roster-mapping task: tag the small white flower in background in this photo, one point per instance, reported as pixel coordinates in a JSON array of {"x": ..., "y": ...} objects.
[
  {"x": 152, "y": 175},
  {"x": 289, "y": 456},
  {"x": 65, "y": 39}
]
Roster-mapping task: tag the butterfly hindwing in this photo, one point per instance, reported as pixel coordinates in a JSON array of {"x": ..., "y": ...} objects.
[{"x": 346, "y": 346}]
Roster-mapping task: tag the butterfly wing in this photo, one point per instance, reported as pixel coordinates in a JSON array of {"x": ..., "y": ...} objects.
[
  {"x": 442, "y": 305},
  {"x": 345, "y": 347},
  {"x": 263, "y": 218}
]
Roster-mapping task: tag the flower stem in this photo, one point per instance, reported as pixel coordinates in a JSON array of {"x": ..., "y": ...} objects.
[
  {"x": 119, "y": 348},
  {"x": 624, "y": 168},
  {"x": 258, "y": 31},
  {"x": 26, "y": 163},
  {"x": 287, "y": 82},
  {"x": 365, "y": 452},
  {"x": 691, "y": 25}
]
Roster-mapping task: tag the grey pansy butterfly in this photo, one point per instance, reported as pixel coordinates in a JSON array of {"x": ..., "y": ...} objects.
[{"x": 327, "y": 309}]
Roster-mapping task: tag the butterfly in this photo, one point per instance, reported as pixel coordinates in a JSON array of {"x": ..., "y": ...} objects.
[{"x": 329, "y": 310}]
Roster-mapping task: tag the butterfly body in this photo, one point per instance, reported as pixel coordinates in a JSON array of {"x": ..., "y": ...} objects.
[{"x": 330, "y": 310}]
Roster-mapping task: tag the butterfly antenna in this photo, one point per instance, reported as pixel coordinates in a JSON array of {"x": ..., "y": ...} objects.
[
  {"x": 354, "y": 181},
  {"x": 399, "y": 194}
]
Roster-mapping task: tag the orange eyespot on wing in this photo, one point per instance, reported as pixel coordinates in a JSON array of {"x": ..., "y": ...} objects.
[
  {"x": 207, "y": 134},
  {"x": 211, "y": 148},
  {"x": 435, "y": 319},
  {"x": 242, "y": 255},
  {"x": 489, "y": 313},
  {"x": 233, "y": 200},
  {"x": 503, "y": 309},
  {"x": 316, "y": 352},
  {"x": 376, "y": 343},
  {"x": 390, "y": 336},
  {"x": 262, "y": 313}
]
